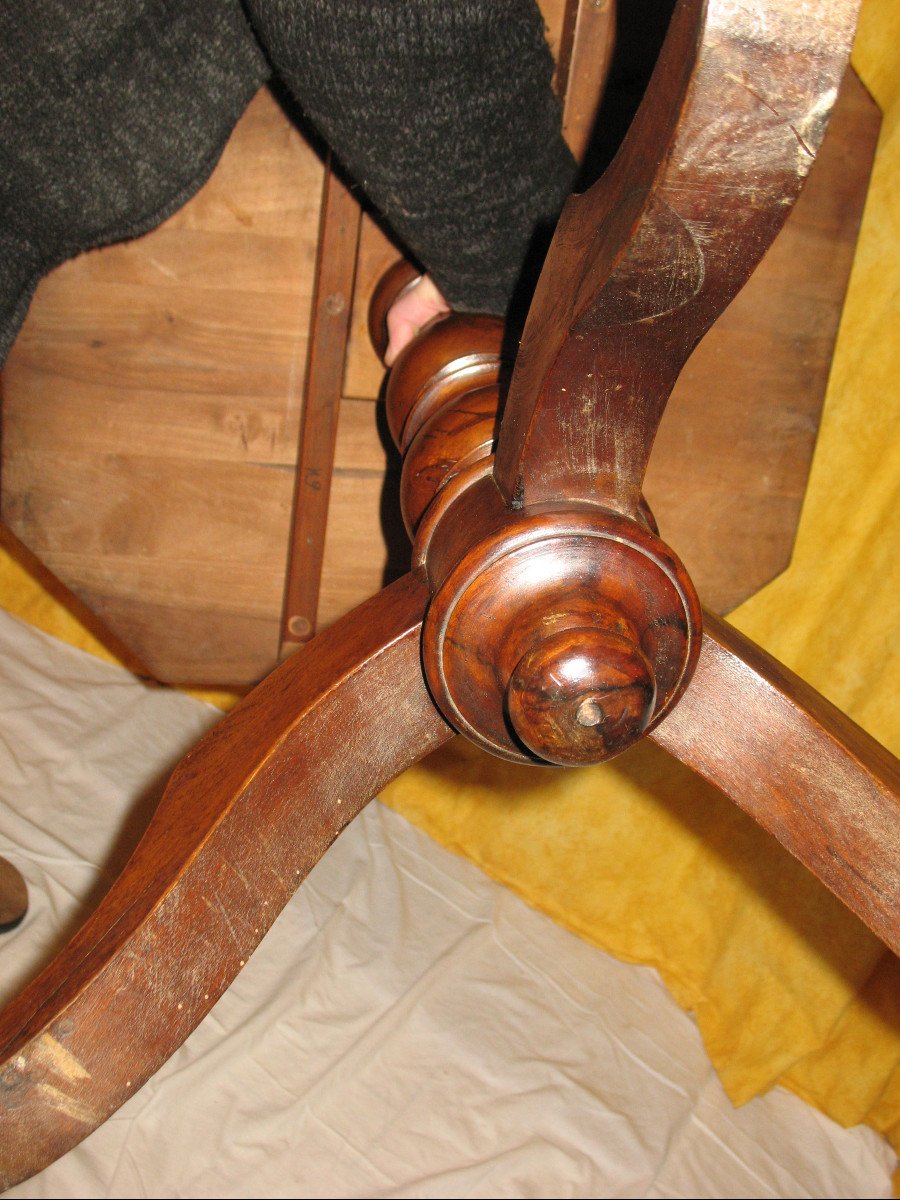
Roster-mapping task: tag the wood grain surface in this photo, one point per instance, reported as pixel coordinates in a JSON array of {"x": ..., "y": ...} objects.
[
  {"x": 151, "y": 409},
  {"x": 540, "y": 565},
  {"x": 653, "y": 253},
  {"x": 337, "y": 243},
  {"x": 807, "y": 773},
  {"x": 244, "y": 818}
]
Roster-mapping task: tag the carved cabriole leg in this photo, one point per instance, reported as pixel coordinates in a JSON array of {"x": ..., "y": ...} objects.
[{"x": 245, "y": 817}]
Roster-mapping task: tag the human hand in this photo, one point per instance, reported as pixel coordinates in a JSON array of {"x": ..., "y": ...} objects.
[{"x": 413, "y": 308}]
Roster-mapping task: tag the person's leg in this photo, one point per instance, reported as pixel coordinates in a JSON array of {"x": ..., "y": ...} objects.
[
  {"x": 111, "y": 116},
  {"x": 442, "y": 111}
]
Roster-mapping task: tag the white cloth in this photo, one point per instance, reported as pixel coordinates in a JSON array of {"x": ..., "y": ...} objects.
[{"x": 408, "y": 1028}]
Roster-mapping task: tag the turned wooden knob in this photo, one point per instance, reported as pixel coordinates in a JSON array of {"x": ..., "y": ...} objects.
[
  {"x": 580, "y": 695},
  {"x": 453, "y": 355},
  {"x": 558, "y": 635}
]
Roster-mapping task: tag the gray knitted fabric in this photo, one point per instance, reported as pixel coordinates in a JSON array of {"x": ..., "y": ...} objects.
[
  {"x": 114, "y": 112},
  {"x": 442, "y": 111}
]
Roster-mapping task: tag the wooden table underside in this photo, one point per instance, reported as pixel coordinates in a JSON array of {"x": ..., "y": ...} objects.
[{"x": 152, "y": 405}]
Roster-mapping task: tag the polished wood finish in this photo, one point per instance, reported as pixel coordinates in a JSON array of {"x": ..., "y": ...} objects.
[
  {"x": 245, "y": 817},
  {"x": 774, "y": 343},
  {"x": 459, "y": 434},
  {"x": 827, "y": 790},
  {"x": 564, "y": 582},
  {"x": 658, "y": 247},
  {"x": 558, "y": 624},
  {"x": 396, "y": 280},
  {"x": 462, "y": 353},
  {"x": 594, "y": 627}
]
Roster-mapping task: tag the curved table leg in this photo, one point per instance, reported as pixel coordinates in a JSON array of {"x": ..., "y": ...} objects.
[
  {"x": 798, "y": 766},
  {"x": 245, "y": 817}
]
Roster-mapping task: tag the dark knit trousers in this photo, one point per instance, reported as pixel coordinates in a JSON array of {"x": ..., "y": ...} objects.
[{"x": 114, "y": 112}]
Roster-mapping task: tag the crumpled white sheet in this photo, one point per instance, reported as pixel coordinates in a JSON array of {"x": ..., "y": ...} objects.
[{"x": 408, "y": 1028}]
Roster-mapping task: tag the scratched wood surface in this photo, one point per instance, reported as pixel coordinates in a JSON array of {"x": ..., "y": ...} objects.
[
  {"x": 244, "y": 818},
  {"x": 741, "y": 423},
  {"x": 732, "y": 453},
  {"x": 150, "y": 410}
]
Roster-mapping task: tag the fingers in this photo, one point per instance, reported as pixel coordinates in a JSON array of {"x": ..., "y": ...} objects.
[{"x": 413, "y": 308}]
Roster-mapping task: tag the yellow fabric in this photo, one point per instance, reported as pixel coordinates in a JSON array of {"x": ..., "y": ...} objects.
[
  {"x": 32, "y": 593},
  {"x": 647, "y": 862}
]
